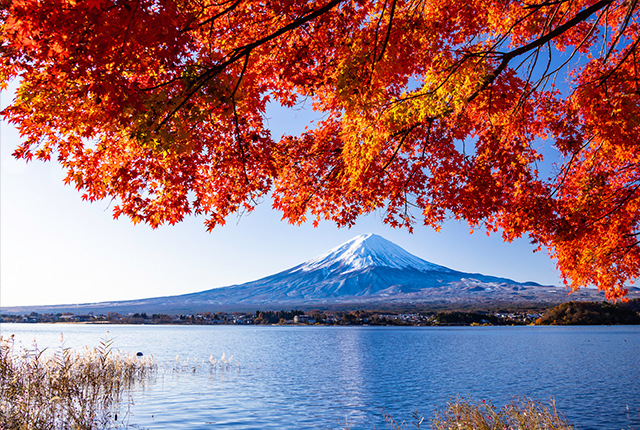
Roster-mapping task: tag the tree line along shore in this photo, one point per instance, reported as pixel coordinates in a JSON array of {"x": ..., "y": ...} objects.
[{"x": 570, "y": 313}]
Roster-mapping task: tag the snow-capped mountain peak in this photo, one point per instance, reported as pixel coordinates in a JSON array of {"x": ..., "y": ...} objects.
[
  {"x": 366, "y": 271},
  {"x": 368, "y": 250}
]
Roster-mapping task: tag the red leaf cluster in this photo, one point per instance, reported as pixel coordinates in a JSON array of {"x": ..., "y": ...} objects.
[{"x": 431, "y": 110}]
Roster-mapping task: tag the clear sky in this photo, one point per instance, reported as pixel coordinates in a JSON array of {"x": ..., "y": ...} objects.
[{"x": 57, "y": 249}]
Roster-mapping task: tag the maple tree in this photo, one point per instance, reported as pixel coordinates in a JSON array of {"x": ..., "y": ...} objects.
[{"x": 431, "y": 110}]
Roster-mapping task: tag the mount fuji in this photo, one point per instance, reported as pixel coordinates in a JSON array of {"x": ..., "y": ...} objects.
[{"x": 368, "y": 270}]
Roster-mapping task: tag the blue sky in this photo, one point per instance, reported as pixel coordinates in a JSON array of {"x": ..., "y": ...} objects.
[{"x": 57, "y": 249}]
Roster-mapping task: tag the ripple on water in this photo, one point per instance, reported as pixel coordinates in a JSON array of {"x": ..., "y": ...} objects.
[{"x": 326, "y": 377}]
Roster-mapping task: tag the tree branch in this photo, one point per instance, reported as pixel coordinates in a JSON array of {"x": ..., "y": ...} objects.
[
  {"x": 405, "y": 134},
  {"x": 507, "y": 57},
  {"x": 245, "y": 50},
  {"x": 627, "y": 17},
  {"x": 236, "y": 122},
  {"x": 386, "y": 40}
]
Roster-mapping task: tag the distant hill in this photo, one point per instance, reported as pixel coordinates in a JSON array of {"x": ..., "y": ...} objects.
[
  {"x": 367, "y": 271},
  {"x": 589, "y": 313},
  {"x": 634, "y": 305}
]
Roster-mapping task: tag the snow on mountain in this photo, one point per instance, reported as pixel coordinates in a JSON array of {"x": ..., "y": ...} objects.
[
  {"x": 366, "y": 271},
  {"x": 367, "y": 250}
]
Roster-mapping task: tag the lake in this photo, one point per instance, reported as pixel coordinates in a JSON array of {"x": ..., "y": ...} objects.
[{"x": 313, "y": 377}]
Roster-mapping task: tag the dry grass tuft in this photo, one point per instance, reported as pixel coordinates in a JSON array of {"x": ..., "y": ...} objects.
[
  {"x": 466, "y": 414},
  {"x": 521, "y": 414},
  {"x": 67, "y": 389}
]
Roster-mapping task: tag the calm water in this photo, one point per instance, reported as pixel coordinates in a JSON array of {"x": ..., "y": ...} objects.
[{"x": 324, "y": 377}]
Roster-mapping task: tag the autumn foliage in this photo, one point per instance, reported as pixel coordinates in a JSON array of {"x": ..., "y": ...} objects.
[{"x": 431, "y": 110}]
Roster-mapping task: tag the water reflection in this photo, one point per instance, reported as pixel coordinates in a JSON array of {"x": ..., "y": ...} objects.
[{"x": 319, "y": 377}]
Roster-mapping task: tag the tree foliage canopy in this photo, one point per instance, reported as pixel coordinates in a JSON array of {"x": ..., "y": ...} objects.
[{"x": 431, "y": 110}]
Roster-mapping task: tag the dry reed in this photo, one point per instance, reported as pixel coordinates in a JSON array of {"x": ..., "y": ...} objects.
[
  {"x": 66, "y": 389},
  {"x": 521, "y": 414},
  {"x": 211, "y": 365},
  {"x": 466, "y": 414}
]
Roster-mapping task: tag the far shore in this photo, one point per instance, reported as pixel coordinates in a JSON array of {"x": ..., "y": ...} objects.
[{"x": 570, "y": 313}]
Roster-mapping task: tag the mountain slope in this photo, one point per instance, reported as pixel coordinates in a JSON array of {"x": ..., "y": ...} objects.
[
  {"x": 365, "y": 271},
  {"x": 365, "y": 266}
]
